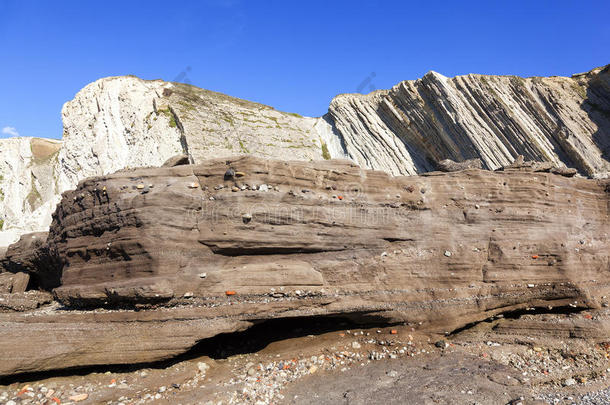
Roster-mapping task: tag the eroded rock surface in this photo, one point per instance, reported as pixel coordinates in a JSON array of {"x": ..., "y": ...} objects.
[
  {"x": 405, "y": 130},
  {"x": 28, "y": 186},
  {"x": 201, "y": 253}
]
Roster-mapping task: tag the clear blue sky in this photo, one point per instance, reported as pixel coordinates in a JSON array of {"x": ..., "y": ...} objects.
[{"x": 292, "y": 55}]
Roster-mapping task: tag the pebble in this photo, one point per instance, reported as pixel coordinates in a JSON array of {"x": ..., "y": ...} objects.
[
  {"x": 568, "y": 382},
  {"x": 263, "y": 187},
  {"x": 78, "y": 397},
  {"x": 356, "y": 345},
  {"x": 203, "y": 367},
  {"x": 447, "y": 253}
]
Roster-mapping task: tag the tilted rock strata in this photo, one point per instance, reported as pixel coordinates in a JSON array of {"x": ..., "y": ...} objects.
[
  {"x": 284, "y": 239},
  {"x": 407, "y": 129}
]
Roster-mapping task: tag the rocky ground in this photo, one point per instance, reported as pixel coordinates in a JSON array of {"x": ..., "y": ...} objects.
[{"x": 337, "y": 363}]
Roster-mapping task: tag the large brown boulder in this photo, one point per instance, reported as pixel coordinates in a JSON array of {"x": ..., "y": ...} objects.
[{"x": 299, "y": 239}]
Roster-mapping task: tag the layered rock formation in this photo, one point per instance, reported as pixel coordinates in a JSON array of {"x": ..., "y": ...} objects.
[
  {"x": 217, "y": 247},
  {"x": 124, "y": 122},
  {"x": 407, "y": 129}
]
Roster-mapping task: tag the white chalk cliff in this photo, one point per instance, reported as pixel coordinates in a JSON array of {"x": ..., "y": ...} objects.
[{"x": 122, "y": 122}]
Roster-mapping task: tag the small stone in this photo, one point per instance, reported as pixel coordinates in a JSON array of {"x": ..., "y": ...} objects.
[
  {"x": 384, "y": 254},
  {"x": 11, "y": 402},
  {"x": 78, "y": 397},
  {"x": 162, "y": 389},
  {"x": 234, "y": 189},
  {"x": 188, "y": 294},
  {"x": 203, "y": 367},
  {"x": 143, "y": 374},
  {"x": 477, "y": 206},
  {"x": 393, "y": 374},
  {"x": 569, "y": 382},
  {"x": 191, "y": 185},
  {"x": 313, "y": 369},
  {"x": 229, "y": 174},
  {"x": 263, "y": 187},
  {"x": 447, "y": 253},
  {"x": 251, "y": 371},
  {"x": 176, "y": 386},
  {"x": 203, "y": 275},
  {"x": 246, "y": 218},
  {"x": 531, "y": 285},
  {"x": 140, "y": 186},
  {"x": 157, "y": 396},
  {"x": 356, "y": 345},
  {"x": 440, "y": 344}
]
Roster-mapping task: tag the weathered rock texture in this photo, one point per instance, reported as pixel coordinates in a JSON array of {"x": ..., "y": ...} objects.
[
  {"x": 125, "y": 122},
  {"x": 28, "y": 185},
  {"x": 208, "y": 253},
  {"x": 407, "y": 129},
  {"x": 30, "y": 254}
]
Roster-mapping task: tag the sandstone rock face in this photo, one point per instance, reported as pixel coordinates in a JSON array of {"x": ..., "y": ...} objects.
[
  {"x": 405, "y": 130},
  {"x": 201, "y": 253},
  {"x": 13, "y": 282},
  {"x": 30, "y": 256}
]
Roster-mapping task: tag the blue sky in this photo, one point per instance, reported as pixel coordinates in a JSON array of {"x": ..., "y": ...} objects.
[{"x": 294, "y": 56}]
